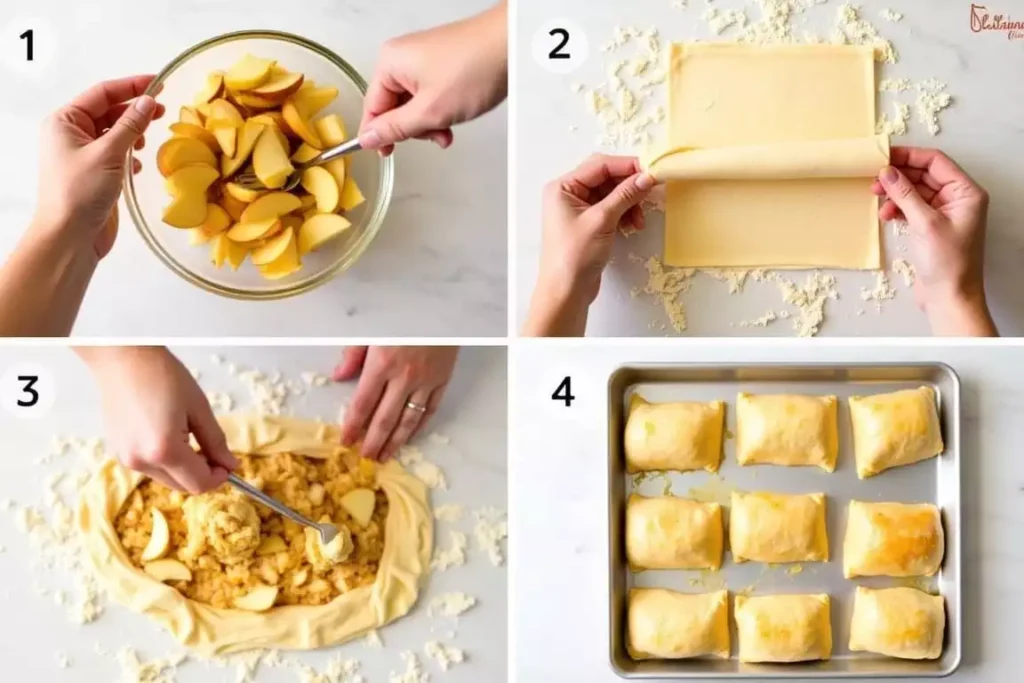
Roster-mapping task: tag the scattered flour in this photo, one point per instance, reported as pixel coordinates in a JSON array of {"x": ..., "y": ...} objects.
[
  {"x": 454, "y": 556},
  {"x": 931, "y": 99},
  {"x": 444, "y": 656},
  {"x": 883, "y": 291},
  {"x": 905, "y": 269},
  {"x": 890, "y": 15}
]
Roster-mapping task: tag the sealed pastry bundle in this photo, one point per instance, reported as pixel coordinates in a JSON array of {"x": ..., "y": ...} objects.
[
  {"x": 898, "y": 428},
  {"x": 237, "y": 577},
  {"x": 892, "y": 539},
  {"x": 787, "y": 429},
  {"x": 774, "y": 527},
  {"x": 667, "y": 532},
  {"x": 898, "y": 622},
  {"x": 783, "y": 628},
  {"x": 677, "y": 436},
  {"x": 665, "y": 624}
]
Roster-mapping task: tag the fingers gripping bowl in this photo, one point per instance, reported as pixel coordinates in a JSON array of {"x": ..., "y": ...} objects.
[{"x": 177, "y": 86}]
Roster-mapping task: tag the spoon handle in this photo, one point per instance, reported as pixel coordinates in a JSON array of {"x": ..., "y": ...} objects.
[
  {"x": 271, "y": 503},
  {"x": 333, "y": 153}
]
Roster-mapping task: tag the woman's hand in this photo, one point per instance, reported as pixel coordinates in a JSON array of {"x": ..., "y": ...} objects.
[
  {"x": 429, "y": 81},
  {"x": 583, "y": 211},
  {"x": 946, "y": 212},
  {"x": 151, "y": 404},
  {"x": 83, "y": 153},
  {"x": 399, "y": 390}
]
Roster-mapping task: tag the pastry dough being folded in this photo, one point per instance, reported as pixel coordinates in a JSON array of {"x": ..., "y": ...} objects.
[
  {"x": 894, "y": 429},
  {"x": 892, "y": 539},
  {"x": 673, "y": 533},
  {"x": 791, "y": 160},
  {"x": 773, "y": 527},
  {"x": 898, "y": 622},
  {"x": 786, "y": 429},
  {"x": 674, "y": 436},
  {"x": 783, "y": 628},
  {"x": 664, "y": 624}
]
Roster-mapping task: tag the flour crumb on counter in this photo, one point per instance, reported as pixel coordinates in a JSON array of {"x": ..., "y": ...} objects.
[
  {"x": 438, "y": 439},
  {"x": 852, "y": 29},
  {"x": 373, "y": 639},
  {"x": 220, "y": 401},
  {"x": 413, "y": 671},
  {"x": 450, "y": 604},
  {"x": 454, "y": 556},
  {"x": 734, "y": 277},
  {"x": 932, "y": 98},
  {"x": 442, "y": 654},
  {"x": 890, "y": 15},
  {"x": 449, "y": 512},
  {"x": 906, "y": 270},
  {"x": 810, "y": 299},
  {"x": 881, "y": 292},
  {"x": 719, "y": 20},
  {"x": 668, "y": 285},
  {"x": 135, "y": 670},
  {"x": 894, "y": 85},
  {"x": 315, "y": 379},
  {"x": 63, "y": 661},
  {"x": 490, "y": 530},
  {"x": 430, "y": 474},
  {"x": 765, "y": 320},
  {"x": 896, "y": 125}
]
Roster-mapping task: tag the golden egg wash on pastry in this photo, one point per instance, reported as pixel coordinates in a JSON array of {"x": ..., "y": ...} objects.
[
  {"x": 787, "y": 429},
  {"x": 678, "y": 436},
  {"x": 783, "y": 628},
  {"x": 665, "y": 624},
  {"x": 774, "y": 527},
  {"x": 673, "y": 533},
  {"x": 898, "y": 428},
  {"x": 898, "y": 622},
  {"x": 892, "y": 539}
]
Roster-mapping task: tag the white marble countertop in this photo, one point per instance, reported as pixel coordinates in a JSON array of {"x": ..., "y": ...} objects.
[
  {"x": 981, "y": 130},
  {"x": 560, "y": 617},
  {"x": 438, "y": 266},
  {"x": 36, "y": 629}
]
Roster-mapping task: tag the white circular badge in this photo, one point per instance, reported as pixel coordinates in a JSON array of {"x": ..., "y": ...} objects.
[
  {"x": 27, "y": 45},
  {"x": 27, "y": 390},
  {"x": 560, "y": 46}
]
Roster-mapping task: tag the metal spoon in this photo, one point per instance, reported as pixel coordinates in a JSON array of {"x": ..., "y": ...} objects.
[
  {"x": 327, "y": 531},
  {"x": 247, "y": 178}
]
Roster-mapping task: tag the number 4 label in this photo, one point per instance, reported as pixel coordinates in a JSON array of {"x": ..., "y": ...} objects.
[{"x": 564, "y": 392}]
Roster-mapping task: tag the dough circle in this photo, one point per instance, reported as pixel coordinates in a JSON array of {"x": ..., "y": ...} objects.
[{"x": 212, "y": 631}]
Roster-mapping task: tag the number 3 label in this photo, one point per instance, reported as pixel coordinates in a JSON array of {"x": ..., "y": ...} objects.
[
  {"x": 27, "y": 390},
  {"x": 560, "y": 46}
]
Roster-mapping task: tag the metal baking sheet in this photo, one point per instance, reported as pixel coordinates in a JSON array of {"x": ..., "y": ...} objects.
[{"x": 936, "y": 481}]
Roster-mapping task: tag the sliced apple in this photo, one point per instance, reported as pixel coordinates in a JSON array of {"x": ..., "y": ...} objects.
[
  {"x": 227, "y": 138},
  {"x": 198, "y": 236},
  {"x": 233, "y": 205},
  {"x": 190, "y": 115},
  {"x": 248, "y": 72},
  {"x": 179, "y": 152},
  {"x": 309, "y": 213},
  {"x": 242, "y": 194},
  {"x": 319, "y": 229},
  {"x": 250, "y": 232},
  {"x": 277, "y": 119},
  {"x": 186, "y": 211},
  {"x": 312, "y": 100},
  {"x": 279, "y": 85},
  {"x": 236, "y": 254},
  {"x": 319, "y": 182},
  {"x": 331, "y": 130},
  {"x": 351, "y": 195},
  {"x": 259, "y": 599},
  {"x": 192, "y": 179},
  {"x": 292, "y": 221},
  {"x": 223, "y": 112},
  {"x": 214, "y": 88},
  {"x": 286, "y": 264},
  {"x": 271, "y": 545},
  {"x": 270, "y": 161},
  {"x": 191, "y": 130},
  {"x": 159, "y": 538},
  {"x": 272, "y": 250},
  {"x": 167, "y": 570},
  {"x": 217, "y": 219},
  {"x": 271, "y": 205},
  {"x": 304, "y": 153},
  {"x": 359, "y": 503},
  {"x": 224, "y": 251},
  {"x": 247, "y": 137},
  {"x": 298, "y": 120},
  {"x": 204, "y": 111},
  {"x": 253, "y": 102},
  {"x": 308, "y": 202}
]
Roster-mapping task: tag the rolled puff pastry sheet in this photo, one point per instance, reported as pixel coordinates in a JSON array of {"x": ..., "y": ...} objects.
[
  {"x": 774, "y": 527},
  {"x": 665, "y": 624},
  {"x": 673, "y": 533},
  {"x": 894, "y": 429},
  {"x": 214, "y": 631},
  {"x": 787, "y": 429},
  {"x": 898, "y": 622},
  {"x": 892, "y": 539},
  {"x": 774, "y": 151},
  {"x": 783, "y": 628},
  {"x": 677, "y": 436}
]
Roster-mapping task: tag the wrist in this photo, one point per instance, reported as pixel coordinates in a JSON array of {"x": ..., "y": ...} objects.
[
  {"x": 961, "y": 314},
  {"x": 558, "y": 308}
]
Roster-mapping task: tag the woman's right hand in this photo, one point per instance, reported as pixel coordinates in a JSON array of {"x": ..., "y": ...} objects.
[
  {"x": 946, "y": 212},
  {"x": 151, "y": 404}
]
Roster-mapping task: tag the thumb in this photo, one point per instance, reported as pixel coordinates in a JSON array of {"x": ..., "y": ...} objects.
[
  {"x": 903, "y": 194},
  {"x": 351, "y": 363},
  {"x": 625, "y": 196},
  {"x": 130, "y": 126},
  {"x": 210, "y": 437},
  {"x": 402, "y": 123}
]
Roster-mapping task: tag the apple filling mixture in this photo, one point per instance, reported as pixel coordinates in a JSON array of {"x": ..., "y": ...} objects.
[
  {"x": 258, "y": 118},
  {"x": 223, "y": 549}
]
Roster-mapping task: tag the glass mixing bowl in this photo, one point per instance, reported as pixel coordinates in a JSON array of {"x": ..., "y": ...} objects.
[{"x": 181, "y": 81}]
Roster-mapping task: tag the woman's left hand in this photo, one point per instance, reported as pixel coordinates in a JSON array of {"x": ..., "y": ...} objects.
[{"x": 399, "y": 390}]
